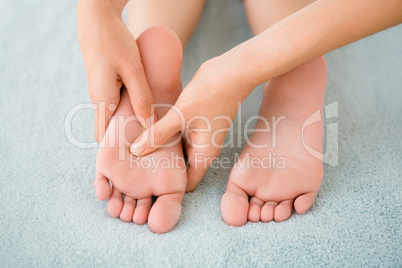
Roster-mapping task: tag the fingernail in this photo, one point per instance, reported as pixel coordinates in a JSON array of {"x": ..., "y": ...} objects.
[
  {"x": 150, "y": 120},
  {"x": 136, "y": 149}
]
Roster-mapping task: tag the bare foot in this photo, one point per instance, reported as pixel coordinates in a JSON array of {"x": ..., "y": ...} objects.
[
  {"x": 267, "y": 183},
  {"x": 161, "y": 174}
]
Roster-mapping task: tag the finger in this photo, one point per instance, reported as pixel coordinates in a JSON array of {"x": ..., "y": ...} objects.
[
  {"x": 104, "y": 91},
  {"x": 159, "y": 134},
  {"x": 140, "y": 95}
]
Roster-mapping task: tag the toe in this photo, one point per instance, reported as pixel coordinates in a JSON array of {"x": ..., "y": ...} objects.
[
  {"x": 267, "y": 211},
  {"x": 142, "y": 210},
  {"x": 254, "y": 211},
  {"x": 283, "y": 210},
  {"x": 234, "y": 206},
  {"x": 102, "y": 186},
  {"x": 115, "y": 203},
  {"x": 165, "y": 212},
  {"x": 127, "y": 212},
  {"x": 304, "y": 202}
]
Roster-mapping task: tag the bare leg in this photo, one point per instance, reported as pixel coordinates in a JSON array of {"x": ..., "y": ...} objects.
[
  {"x": 181, "y": 16},
  {"x": 261, "y": 193},
  {"x": 263, "y": 14}
]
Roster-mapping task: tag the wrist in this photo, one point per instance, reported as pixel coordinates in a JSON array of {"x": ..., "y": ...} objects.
[
  {"x": 94, "y": 16},
  {"x": 256, "y": 62},
  {"x": 234, "y": 67},
  {"x": 224, "y": 74}
]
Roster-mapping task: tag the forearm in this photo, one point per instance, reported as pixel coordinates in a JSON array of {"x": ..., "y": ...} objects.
[{"x": 313, "y": 31}]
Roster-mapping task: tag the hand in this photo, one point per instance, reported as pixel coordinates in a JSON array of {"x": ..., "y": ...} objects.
[
  {"x": 203, "y": 112},
  {"x": 112, "y": 60}
]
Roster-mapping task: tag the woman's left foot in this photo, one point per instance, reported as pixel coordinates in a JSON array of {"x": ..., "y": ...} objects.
[
  {"x": 267, "y": 183},
  {"x": 162, "y": 174}
]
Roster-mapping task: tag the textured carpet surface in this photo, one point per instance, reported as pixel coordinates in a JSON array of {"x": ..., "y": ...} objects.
[{"x": 50, "y": 217}]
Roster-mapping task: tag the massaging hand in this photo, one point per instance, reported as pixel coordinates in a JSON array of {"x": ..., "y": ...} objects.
[
  {"x": 204, "y": 112},
  {"x": 111, "y": 59}
]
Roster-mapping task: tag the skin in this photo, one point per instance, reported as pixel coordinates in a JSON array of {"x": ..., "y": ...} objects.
[
  {"x": 181, "y": 16},
  {"x": 260, "y": 193},
  {"x": 305, "y": 35},
  {"x": 110, "y": 64},
  {"x": 138, "y": 21},
  {"x": 315, "y": 30},
  {"x": 142, "y": 180}
]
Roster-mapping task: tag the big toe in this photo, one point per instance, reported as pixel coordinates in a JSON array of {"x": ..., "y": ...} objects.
[
  {"x": 165, "y": 213},
  {"x": 234, "y": 206},
  {"x": 304, "y": 202}
]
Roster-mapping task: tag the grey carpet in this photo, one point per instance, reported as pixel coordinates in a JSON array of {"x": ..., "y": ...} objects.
[{"x": 50, "y": 217}]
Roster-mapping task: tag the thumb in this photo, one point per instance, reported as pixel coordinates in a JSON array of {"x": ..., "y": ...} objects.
[
  {"x": 159, "y": 133},
  {"x": 140, "y": 95}
]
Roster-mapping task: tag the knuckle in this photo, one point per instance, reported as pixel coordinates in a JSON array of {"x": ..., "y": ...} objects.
[
  {"x": 131, "y": 68},
  {"x": 134, "y": 68},
  {"x": 143, "y": 100}
]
